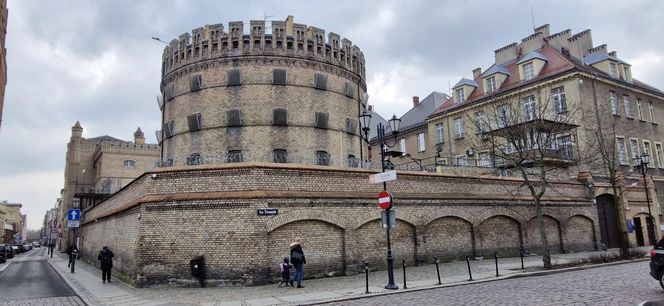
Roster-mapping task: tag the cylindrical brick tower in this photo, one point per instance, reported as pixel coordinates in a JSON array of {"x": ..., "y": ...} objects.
[{"x": 288, "y": 96}]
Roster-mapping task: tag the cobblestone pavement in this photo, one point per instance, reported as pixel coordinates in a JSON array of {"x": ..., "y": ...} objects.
[
  {"x": 622, "y": 284},
  {"x": 54, "y": 301}
]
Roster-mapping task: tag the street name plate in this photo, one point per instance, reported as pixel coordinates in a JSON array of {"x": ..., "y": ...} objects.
[
  {"x": 386, "y": 176},
  {"x": 71, "y": 223},
  {"x": 267, "y": 211}
]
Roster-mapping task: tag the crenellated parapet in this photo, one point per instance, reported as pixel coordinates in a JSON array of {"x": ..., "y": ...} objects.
[{"x": 283, "y": 38}]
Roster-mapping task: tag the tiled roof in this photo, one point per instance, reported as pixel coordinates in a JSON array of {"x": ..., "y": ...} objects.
[
  {"x": 419, "y": 113},
  {"x": 465, "y": 81},
  {"x": 598, "y": 57}
]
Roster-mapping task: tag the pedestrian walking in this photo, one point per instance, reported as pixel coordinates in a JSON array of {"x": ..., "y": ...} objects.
[
  {"x": 106, "y": 259},
  {"x": 72, "y": 251},
  {"x": 298, "y": 260},
  {"x": 285, "y": 267}
]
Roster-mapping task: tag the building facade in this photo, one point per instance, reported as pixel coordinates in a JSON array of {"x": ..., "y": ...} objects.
[
  {"x": 562, "y": 81},
  {"x": 289, "y": 96},
  {"x": 14, "y": 226},
  {"x": 98, "y": 167}
]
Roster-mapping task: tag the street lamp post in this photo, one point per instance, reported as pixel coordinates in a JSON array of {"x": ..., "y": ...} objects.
[
  {"x": 365, "y": 120},
  {"x": 394, "y": 125},
  {"x": 641, "y": 163}
]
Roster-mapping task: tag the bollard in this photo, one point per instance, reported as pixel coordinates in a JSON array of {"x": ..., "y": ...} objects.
[
  {"x": 403, "y": 263},
  {"x": 469, "y": 272},
  {"x": 495, "y": 256},
  {"x": 437, "y": 270},
  {"x": 366, "y": 273},
  {"x": 522, "y": 268}
]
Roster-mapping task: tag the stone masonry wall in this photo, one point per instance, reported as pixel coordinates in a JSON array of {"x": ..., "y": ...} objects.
[{"x": 212, "y": 211}]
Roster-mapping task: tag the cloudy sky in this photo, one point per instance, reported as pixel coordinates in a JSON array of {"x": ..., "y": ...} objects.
[{"x": 94, "y": 61}]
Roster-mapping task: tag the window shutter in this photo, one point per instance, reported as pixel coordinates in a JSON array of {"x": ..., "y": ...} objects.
[
  {"x": 160, "y": 102},
  {"x": 194, "y": 122},
  {"x": 234, "y": 77},
  {"x": 321, "y": 120},
  {"x": 169, "y": 92},
  {"x": 234, "y": 117},
  {"x": 320, "y": 81},
  {"x": 159, "y": 136},
  {"x": 349, "y": 90},
  {"x": 280, "y": 117},
  {"x": 279, "y": 76},
  {"x": 168, "y": 129},
  {"x": 195, "y": 82}
]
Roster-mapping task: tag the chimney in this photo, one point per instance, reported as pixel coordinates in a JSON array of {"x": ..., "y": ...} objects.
[
  {"x": 476, "y": 73},
  {"x": 613, "y": 54},
  {"x": 416, "y": 101}
]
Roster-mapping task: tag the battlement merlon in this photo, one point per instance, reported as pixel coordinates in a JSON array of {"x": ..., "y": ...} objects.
[{"x": 179, "y": 50}]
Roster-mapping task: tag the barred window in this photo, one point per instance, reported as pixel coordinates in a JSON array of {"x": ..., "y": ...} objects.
[
  {"x": 322, "y": 158},
  {"x": 194, "y": 159},
  {"x": 353, "y": 161},
  {"x": 280, "y": 156},
  {"x": 234, "y": 156}
]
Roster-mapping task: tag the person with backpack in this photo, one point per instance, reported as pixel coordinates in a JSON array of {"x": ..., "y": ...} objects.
[
  {"x": 106, "y": 258},
  {"x": 72, "y": 251},
  {"x": 298, "y": 260},
  {"x": 285, "y": 267}
]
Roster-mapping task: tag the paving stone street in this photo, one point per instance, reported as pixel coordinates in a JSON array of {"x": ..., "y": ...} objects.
[{"x": 623, "y": 284}]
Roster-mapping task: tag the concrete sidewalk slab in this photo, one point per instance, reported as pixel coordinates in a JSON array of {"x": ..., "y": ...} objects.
[{"x": 87, "y": 283}]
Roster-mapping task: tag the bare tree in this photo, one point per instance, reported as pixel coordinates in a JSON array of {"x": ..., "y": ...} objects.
[{"x": 534, "y": 135}]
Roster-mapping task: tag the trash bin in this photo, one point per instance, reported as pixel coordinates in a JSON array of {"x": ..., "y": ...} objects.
[{"x": 197, "y": 265}]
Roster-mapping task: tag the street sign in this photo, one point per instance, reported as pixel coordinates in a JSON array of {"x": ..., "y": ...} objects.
[
  {"x": 71, "y": 223},
  {"x": 267, "y": 211},
  {"x": 386, "y": 176},
  {"x": 54, "y": 236},
  {"x": 73, "y": 215},
  {"x": 385, "y": 200}
]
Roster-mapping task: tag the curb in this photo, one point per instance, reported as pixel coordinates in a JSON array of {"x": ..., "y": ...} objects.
[
  {"x": 499, "y": 278},
  {"x": 76, "y": 287}
]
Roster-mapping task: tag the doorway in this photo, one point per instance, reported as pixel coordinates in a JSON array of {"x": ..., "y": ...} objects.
[
  {"x": 606, "y": 214},
  {"x": 638, "y": 231}
]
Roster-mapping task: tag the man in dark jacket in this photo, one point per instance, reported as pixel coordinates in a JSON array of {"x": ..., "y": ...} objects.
[
  {"x": 72, "y": 251},
  {"x": 106, "y": 258},
  {"x": 298, "y": 260}
]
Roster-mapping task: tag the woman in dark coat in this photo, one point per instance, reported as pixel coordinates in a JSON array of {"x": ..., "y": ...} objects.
[
  {"x": 106, "y": 258},
  {"x": 298, "y": 260}
]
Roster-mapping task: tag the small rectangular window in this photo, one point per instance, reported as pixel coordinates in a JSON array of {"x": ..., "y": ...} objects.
[
  {"x": 234, "y": 117},
  {"x": 234, "y": 156},
  {"x": 321, "y": 120},
  {"x": 651, "y": 110},
  {"x": 528, "y": 71},
  {"x": 280, "y": 156},
  {"x": 440, "y": 136},
  {"x": 279, "y": 76},
  {"x": 234, "y": 77},
  {"x": 322, "y": 158},
  {"x": 195, "y": 82},
  {"x": 194, "y": 122},
  {"x": 320, "y": 81},
  {"x": 421, "y": 146},
  {"x": 350, "y": 125},
  {"x": 559, "y": 100},
  {"x": 353, "y": 161},
  {"x": 168, "y": 129},
  {"x": 349, "y": 90},
  {"x": 639, "y": 110},
  {"x": 459, "y": 131},
  {"x": 193, "y": 159},
  {"x": 280, "y": 117}
]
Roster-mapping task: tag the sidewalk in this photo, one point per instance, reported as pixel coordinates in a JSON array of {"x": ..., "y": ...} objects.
[{"x": 86, "y": 281}]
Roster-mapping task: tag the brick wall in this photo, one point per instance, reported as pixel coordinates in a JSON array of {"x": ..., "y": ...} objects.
[{"x": 212, "y": 211}]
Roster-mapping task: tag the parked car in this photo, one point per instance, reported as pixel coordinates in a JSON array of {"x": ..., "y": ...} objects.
[
  {"x": 36, "y": 244},
  {"x": 17, "y": 249},
  {"x": 27, "y": 247},
  {"x": 8, "y": 251},
  {"x": 657, "y": 262},
  {"x": 2, "y": 256}
]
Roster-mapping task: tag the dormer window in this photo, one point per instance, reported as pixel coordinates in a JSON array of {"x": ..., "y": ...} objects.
[
  {"x": 458, "y": 95},
  {"x": 626, "y": 74},
  {"x": 528, "y": 71},
  {"x": 613, "y": 69},
  {"x": 491, "y": 84}
]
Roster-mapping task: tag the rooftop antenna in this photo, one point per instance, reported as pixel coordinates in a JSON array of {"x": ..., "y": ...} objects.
[{"x": 532, "y": 16}]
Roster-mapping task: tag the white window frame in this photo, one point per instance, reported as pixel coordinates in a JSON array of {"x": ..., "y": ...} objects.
[
  {"x": 651, "y": 110},
  {"x": 491, "y": 84},
  {"x": 484, "y": 159},
  {"x": 559, "y": 100},
  {"x": 440, "y": 133},
  {"x": 634, "y": 148},
  {"x": 462, "y": 160},
  {"x": 421, "y": 143},
  {"x": 622, "y": 150},
  {"x": 627, "y": 74},
  {"x": 627, "y": 105},
  {"x": 565, "y": 144},
  {"x": 613, "y": 69},
  {"x": 459, "y": 131},
  {"x": 402, "y": 145},
  {"x": 528, "y": 71},
  {"x": 639, "y": 111},
  {"x": 480, "y": 122},
  {"x": 613, "y": 100},
  {"x": 658, "y": 154},
  {"x": 647, "y": 148},
  {"x": 128, "y": 163},
  {"x": 459, "y": 95},
  {"x": 503, "y": 115},
  {"x": 529, "y": 108}
]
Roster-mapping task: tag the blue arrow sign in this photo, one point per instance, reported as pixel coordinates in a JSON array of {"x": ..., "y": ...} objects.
[{"x": 74, "y": 215}]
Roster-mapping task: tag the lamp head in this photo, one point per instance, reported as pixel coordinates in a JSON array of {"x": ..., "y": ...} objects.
[{"x": 395, "y": 124}]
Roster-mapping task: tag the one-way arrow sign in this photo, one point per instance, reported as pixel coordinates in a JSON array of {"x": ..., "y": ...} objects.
[{"x": 74, "y": 215}]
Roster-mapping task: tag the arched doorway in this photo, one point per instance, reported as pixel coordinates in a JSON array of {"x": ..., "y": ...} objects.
[{"x": 608, "y": 224}]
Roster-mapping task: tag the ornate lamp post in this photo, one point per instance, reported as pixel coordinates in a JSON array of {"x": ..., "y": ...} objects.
[
  {"x": 641, "y": 163},
  {"x": 365, "y": 120},
  {"x": 394, "y": 125}
]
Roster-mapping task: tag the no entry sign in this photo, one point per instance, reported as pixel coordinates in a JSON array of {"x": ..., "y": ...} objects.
[{"x": 385, "y": 200}]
